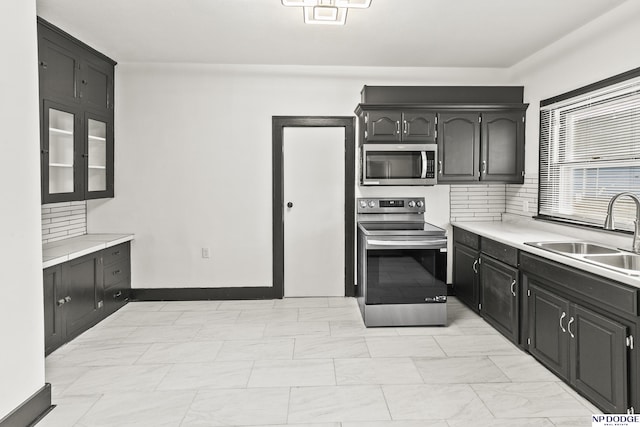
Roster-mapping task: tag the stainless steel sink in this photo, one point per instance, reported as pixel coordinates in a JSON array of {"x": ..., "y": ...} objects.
[
  {"x": 596, "y": 254},
  {"x": 580, "y": 248},
  {"x": 620, "y": 261}
]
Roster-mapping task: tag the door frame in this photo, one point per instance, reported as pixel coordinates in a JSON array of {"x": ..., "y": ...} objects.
[{"x": 278, "y": 125}]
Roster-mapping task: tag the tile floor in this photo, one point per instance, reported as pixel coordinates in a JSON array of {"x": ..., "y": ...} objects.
[{"x": 299, "y": 362}]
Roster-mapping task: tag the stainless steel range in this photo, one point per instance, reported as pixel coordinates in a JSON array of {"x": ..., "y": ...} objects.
[{"x": 402, "y": 264}]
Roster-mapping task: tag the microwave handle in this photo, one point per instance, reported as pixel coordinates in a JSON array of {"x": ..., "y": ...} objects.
[{"x": 423, "y": 174}]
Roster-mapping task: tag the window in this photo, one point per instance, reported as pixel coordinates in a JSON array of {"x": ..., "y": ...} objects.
[{"x": 589, "y": 152}]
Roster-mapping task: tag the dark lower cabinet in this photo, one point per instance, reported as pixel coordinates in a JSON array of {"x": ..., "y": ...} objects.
[
  {"x": 83, "y": 284},
  {"x": 465, "y": 275},
  {"x": 548, "y": 318},
  {"x": 590, "y": 350},
  {"x": 499, "y": 296},
  {"x": 599, "y": 361},
  {"x": 53, "y": 297},
  {"x": 82, "y": 292}
]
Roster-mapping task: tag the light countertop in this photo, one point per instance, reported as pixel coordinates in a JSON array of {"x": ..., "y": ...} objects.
[
  {"x": 55, "y": 253},
  {"x": 515, "y": 232}
]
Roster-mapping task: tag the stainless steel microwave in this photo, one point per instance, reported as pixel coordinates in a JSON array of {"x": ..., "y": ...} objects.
[{"x": 399, "y": 164}]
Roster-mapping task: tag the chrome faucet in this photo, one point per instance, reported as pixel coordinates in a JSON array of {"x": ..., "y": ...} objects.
[{"x": 609, "y": 225}]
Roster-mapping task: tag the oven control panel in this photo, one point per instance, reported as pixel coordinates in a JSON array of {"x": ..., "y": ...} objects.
[{"x": 395, "y": 205}]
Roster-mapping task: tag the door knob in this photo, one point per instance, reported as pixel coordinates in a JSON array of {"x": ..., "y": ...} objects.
[{"x": 289, "y": 205}]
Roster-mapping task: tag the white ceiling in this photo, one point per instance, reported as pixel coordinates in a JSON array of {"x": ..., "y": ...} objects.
[{"x": 405, "y": 33}]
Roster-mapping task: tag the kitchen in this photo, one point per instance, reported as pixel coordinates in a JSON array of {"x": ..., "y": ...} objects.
[{"x": 166, "y": 210}]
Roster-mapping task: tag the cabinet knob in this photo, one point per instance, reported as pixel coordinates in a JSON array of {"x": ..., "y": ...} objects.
[
  {"x": 84, "y": 82},
  {"x": 289, "y": 205},
  {"x": 115, "y": 273},
  {"x": 43, "y": 64},
  {"x": 67, "y": 299},
  {"x": 61, "y": 301},
  {"x": 117, "y": 295},
  {"x": 43, "y": 151}
]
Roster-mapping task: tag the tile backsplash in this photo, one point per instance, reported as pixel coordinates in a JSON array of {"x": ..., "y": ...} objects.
[
  {"x": 522, "y": 199},
  {"x": 487, "y": 202},
  {"x": 477, "y": 202},
  {"x": 63, "y": 220}
]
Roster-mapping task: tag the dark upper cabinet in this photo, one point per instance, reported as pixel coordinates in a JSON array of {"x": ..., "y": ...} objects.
[
  {"x": 76, "y": 116},
  {"x": 390, "y": 126},
  {"x": 502, "y": 147},
  {"x": 499, "y": 300},
  {"x": 458, "y": 147},
  {"x": 96, "y": 84},
  {"x": 59, "y": 68},
  {"x": 481, "y": 147}
]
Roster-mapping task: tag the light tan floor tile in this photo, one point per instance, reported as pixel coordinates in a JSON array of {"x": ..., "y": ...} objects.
[
  {"x": 340, "y": 403},
  {"x": 434, "y": 402},
  {"x": 409, "y": 346},
  {"x": 271, "y": 349},
  {"x": 376, "y": 371},
  {"x": 203, "y": 376},
  {"x": 535, "y": 400},
  {"x": 147, "y": 409},
  {"x": 285, "y": 373},
  {"x": 459, "y": 370},
  {"x": 238, "y": 407}
]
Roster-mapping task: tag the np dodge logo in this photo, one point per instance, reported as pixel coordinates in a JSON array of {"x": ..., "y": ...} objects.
[{"x": 611, "y": 420}]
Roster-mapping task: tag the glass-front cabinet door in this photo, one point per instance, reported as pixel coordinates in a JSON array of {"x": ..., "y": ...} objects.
[
  {"x": 77, "y": 155},
  {"x": 60, "y": 177},
  {"x": 99, "y": 157}
]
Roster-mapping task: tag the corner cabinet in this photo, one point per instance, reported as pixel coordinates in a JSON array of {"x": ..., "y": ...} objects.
[
  {"x": 581, "y": 326},
  {"x": 481, "y": 146},
  {"x": 76, "y": 118}
]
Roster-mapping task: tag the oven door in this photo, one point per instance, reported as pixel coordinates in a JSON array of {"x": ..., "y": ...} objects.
[
  {"x": 402, "y": 270},
  {"x": 399, "y": 164}
]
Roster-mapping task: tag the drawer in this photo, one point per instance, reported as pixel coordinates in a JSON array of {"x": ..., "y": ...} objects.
[
  {"x": 466, "y": 238},
  {"x": 116, "y": 254},
  {"x": 500, "y": 251},
  {"x": 115, "y": 297},
  {"x": 115, "y": 273}
]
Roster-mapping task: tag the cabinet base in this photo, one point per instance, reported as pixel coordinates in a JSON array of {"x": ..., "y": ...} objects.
[{"x": 434, "y": 314}]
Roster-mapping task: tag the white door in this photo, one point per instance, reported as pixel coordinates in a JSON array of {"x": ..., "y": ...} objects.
[{"x": 313, "y": 173}]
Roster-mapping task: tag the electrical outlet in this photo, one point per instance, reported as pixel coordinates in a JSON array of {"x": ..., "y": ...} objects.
[{"x": 206, "y": 253}]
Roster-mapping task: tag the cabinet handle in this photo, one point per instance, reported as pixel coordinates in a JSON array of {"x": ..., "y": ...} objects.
[
  {"x": 562, "y": 317},
  {"x": 117, "y": 295},
  {"x": 61, "y": 301},
  {"x": 474, "y": 266},
  {"x": 67, "y": 299},
  {"x": 484, "y": 166},
  {"x": 440, "y": 167},
  {"x": 405, "y": 126},
  {"x": 569, "y": 327},
  {"x": 513, "y": 284},
  {"x": 43, "y": 64},
  {"x": 398, "y": 126},
  {"x": 116, "y": 253},
  {"x": 115, "y": 273}
]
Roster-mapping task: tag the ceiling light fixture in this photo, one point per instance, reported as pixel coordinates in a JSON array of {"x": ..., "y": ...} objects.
[{"x": 327, "y": 12}]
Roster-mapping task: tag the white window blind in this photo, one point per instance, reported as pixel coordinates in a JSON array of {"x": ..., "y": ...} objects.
[{"x": 590, "y": 151}]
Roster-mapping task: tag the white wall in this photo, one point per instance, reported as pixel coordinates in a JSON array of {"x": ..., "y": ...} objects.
[
  {"x": 21, "y": 313},
  {"x": 193, "y": 161},
  {"x": 603, "y": 48}
]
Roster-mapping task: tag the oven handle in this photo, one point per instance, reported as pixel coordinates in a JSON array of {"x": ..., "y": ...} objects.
[
  {"x": 407, "y": 244},
  {"x": 423, "y": 154}
]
